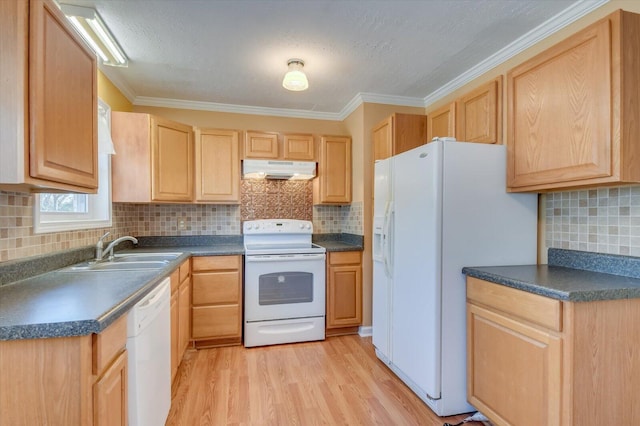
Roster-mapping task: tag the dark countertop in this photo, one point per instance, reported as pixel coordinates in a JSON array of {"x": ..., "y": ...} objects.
[
  {"x": 570, "y": 276},
  {"x": 38, "y": 299},
  {"x": 73, "y": 303},
  {"x": 340, "y": 242}
]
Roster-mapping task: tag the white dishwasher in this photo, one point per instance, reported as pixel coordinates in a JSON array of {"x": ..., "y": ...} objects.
[{"x": 149, "y": 348}]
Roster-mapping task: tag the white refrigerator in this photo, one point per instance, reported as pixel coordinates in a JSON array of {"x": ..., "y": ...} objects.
[{"x": 438, "y": 208}]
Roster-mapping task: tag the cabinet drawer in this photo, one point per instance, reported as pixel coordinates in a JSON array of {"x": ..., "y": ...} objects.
[
  {"x": 530, "y": 307},
  {"x": 344, "y": 258},
  {"x": 209, "y": 263},
  {"x": 185, "y": 271},
  {"x": 216, "y": 321},
  {"x": 216, "y": 288},
  {"x": 108, "y": 344}
]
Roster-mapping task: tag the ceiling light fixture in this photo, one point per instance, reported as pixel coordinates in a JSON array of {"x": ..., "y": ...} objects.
[
  {"x": 295, "y": 79},
  {"x": 88, "y": 23}
]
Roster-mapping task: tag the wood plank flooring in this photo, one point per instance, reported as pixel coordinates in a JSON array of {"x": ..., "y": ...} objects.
[{"x": 335, "y": 382}]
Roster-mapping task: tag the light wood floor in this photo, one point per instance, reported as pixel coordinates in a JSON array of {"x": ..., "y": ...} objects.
[{"x": 335, "y": 382}]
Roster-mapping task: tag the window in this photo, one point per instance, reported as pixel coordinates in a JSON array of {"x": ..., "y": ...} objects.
[{"x": 68, "y": 212}]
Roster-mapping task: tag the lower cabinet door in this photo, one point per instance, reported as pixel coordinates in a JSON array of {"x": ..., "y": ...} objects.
[
  {"x": 110, "y": 395},
  {"x": 514, "y": 369},
  {"x": 344, "y": 298},
  {"x": 184, "y": 319},
  {"x": 216, "y": 321},
  {"x": 175, "y": 359}
]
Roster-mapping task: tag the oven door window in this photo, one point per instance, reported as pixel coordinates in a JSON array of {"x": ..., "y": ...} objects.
[{"x": 284, "y": 288}]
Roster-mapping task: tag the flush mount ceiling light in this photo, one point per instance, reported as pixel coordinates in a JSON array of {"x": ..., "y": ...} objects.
[
  {"x": 295, "y": 79},
  {"x": 88, "y": 23}
]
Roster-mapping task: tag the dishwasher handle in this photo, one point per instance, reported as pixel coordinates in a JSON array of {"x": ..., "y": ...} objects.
[
  {"x": 148, "y": 309},
  {"x": 152, "y": 298}
]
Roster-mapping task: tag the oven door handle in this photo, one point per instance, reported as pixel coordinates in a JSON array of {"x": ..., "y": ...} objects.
[{"x": 284, "y": 257}]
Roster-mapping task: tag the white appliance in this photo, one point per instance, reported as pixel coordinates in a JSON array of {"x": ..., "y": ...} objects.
[
  {"x": 149, "y": 356},
  {"x": 278, "y": 169},
  {"x": 284, "y": 283},
  {"x": 437, "y": 208}
]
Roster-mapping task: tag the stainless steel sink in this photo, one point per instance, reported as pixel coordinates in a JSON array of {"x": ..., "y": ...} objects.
[
  {"x": 143, "y": 257},
  {"x": 127, "y": 262}
]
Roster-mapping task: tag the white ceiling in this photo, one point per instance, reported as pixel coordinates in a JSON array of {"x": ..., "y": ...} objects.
[{"x": 231, "y": 55}]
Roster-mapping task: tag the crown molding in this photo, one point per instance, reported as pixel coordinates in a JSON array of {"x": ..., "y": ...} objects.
[
  {"x": 542, "y": 31},
  {"x": 237, "y": 109},
  {"x": 118, "y": 81},
  {"x": 561, "y": 20},
  {"x": 376, "y": 98}
]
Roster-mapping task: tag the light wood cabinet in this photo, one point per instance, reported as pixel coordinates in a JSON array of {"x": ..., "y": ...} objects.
[
  {"x": 442, "y": 122},
  {"x": 217, "y": 161},
  {"x": 184, "y": 308},
  {"x": 153, "y": 161},
  {"x": 533, "y": 360},
  {"x": 261, "y": 145},
  {"x": 279, "y": 146},
  {"x": 49, "y": 100},
  {"x": 333, "y": 183},
  {"x": 572, "y": 110},
  {"x": 66, "y": 380},
  {"x": 479, "y": 114},
  {"x": 173, "y": 309},
  {"x": 216, "y": 300},
  {"x": 344, "y": 292},
  {"x": 180, "y": 314},
  {"x": 110, "y": 394},
  {"x": 298, "y": 147},
  {"x": 398, "y": 133}
]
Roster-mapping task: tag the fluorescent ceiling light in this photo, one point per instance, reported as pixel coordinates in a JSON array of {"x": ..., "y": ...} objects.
[
  {"x": 88, "y": 23},
  {"x": 295, "y": 79}
]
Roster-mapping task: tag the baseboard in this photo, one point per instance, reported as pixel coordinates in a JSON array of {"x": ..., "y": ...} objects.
[{"x": 365, "y": 331}]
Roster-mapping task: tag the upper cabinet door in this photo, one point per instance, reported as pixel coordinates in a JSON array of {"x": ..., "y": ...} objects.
[
  {"x": 333, "y": 184},
  {"x": 398, "y": 133},
  {"x": 383, "y": 139},
  {"x": 62, "y": 100},
  {"x": 442, "y": 122},
  {"x": 479, "y": 114},
  {"x": 172, "y": 161},
  {"x": 573, "y": 110},
  {"x": 299, "y": 147},
  {"x": 260, "y": 145},
  {"x": 217, "y": 166}
]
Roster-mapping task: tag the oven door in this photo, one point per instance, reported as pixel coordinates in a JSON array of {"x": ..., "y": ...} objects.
[{"x": 284, "y": 286}]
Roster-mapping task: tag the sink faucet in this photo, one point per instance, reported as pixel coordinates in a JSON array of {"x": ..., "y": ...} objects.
[{"x": 100, "y": 244}]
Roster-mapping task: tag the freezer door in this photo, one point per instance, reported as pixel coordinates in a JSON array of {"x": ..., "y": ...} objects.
[
  {"x": 381, "y": 281},
  {"x": 416, "y": 305}
]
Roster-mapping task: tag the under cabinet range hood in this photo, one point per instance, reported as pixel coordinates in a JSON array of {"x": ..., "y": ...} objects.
[{"x": 274, "y": 169}]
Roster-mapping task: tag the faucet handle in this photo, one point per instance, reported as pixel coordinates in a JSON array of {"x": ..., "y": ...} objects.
[{"x": 104, "y": 236}]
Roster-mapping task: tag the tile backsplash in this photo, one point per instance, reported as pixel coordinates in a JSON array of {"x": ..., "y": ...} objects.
[
  {"x": 260, "y": 200},
  {"x": 17, "y": 239},
  {"x": 275, "y": 199},
  {"x": 198, "y": 219},
  {"x": 604, "y": 220}
]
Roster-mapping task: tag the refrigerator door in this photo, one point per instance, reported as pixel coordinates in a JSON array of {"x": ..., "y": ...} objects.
[
  {"x": 416, "y": 304},
  {"x": 381, "y": 280}
]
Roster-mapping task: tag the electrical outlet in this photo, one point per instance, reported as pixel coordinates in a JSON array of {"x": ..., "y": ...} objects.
[{"x": 182, "y": 224}]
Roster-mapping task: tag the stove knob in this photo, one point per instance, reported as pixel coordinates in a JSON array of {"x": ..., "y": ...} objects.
[
  {"x": 308, "y": 226},
  {"x": 249, "y": 226},
  {"x": 301, "y": 226},
  {"x": 257, "y": 226}
]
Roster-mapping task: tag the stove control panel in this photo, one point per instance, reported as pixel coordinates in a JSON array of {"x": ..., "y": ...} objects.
[{"x": 277, "y": 226}]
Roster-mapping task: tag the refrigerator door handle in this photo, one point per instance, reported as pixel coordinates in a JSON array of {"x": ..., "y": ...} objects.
[{"x": 387, "y": 245}]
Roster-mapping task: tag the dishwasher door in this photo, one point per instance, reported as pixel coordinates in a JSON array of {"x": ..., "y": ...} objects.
[{"x": 149, "y": 349}]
